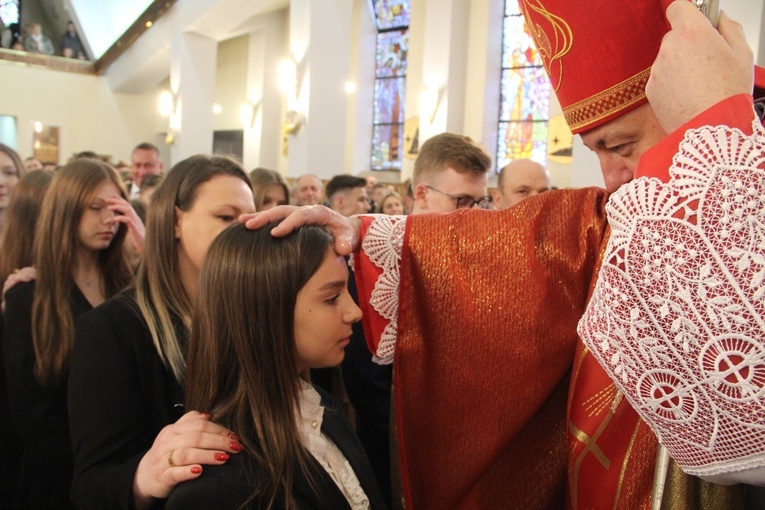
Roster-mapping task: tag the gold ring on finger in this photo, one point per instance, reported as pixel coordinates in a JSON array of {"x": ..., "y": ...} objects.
[{"x": 170, "y": 458}]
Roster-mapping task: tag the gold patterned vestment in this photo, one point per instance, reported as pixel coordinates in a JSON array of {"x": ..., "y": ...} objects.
[{"x": 499, "y": 404}]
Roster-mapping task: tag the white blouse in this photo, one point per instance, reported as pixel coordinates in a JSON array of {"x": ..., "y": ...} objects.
[{"x": 330, "y": 457}]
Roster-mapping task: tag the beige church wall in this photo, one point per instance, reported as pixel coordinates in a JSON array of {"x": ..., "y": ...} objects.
[
  {"x": 484, "y": 57},
  {"x": 751, "y": 15},
  {"x": 320, "y": 41},
  {"x": 89, "y": 114}
]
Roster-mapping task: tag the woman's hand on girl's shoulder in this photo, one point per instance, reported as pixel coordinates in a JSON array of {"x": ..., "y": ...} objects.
[
  {"x": 26, "y": 274},
  {"x": 178, "y": 454}
]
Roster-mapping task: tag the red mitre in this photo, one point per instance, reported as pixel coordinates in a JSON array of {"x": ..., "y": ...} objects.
[{"x": 598, "y": 53}]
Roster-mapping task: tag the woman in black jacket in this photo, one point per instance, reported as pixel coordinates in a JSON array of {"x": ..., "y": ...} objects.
[{"x": 127, "y": 368}]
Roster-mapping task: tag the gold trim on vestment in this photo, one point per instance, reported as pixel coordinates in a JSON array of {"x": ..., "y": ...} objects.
[
  {"x": 624, "y": 464},
  {"x": 590, "y": 445},
  {"x": 606, "y": 103},
  {"x": 598, "y": 403}
]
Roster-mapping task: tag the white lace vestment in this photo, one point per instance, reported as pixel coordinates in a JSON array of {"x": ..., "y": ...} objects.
[
  {"x": 677, "y": 316},
  {"x": 383, "y": 243}
]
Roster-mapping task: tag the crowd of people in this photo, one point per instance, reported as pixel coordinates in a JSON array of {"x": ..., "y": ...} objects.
[
  {"x": 30, "y": 38},
  {"x": 132, "y": 341},
  {"x": 176, "y": 337}
]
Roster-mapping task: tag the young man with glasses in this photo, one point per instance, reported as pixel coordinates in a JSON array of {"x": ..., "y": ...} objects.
[{"x": 450, "y": 173}]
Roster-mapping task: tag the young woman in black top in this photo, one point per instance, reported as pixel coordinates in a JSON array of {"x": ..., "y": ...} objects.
[
  {"x": 80, "y": 263},
  {"x": 16, "y": 237}
]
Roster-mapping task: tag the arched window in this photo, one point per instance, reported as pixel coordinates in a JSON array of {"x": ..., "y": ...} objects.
[
  {"x": 524, "y": 96},
  {"x": 392, "y": 22}
]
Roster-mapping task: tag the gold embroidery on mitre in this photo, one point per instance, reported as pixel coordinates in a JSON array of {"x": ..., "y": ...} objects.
[
  {"x": 607, "y": 102},
  {"x": 553, "y": 44}
]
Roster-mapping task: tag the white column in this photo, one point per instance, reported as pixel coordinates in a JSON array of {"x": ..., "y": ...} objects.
[
  {"x": 484, "y": 62},
  {"x": 262, "y": 139},
  {"x": 320, "y": 40},
  {"x": 444, "y": 67},
  {"x": 192, "y": 81},
  {"x": 359, "y": 115}
]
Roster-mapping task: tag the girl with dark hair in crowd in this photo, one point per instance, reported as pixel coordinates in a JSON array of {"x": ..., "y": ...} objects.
[
  {"x": 11, "y": 170},
  {"x": 132, "y": 441},
  {"x": 16, "y": 238},
  {"x": 18, "y": 232},
  {"x": 287, "y": 310},
  {"x": 80, "y": 262}
]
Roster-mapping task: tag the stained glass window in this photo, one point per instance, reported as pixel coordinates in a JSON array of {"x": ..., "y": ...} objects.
[
  {"x": 524, "y": 95},
  {"x": 391, "y": 14},
  {"x": 392, "y": 21}
]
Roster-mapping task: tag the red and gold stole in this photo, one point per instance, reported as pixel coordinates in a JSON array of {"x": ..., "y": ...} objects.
[
  {"x": 611, "y": 451},
  {"x": 488, "y": 307}
]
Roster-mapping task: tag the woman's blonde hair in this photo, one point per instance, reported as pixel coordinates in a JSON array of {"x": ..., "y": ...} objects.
[
  {"x": 55, "y": 250},
  {"x": 262, "y": 179},
  {"x": 386, "y": 196},
  {"x": 161, "y": 297},
  {"x": 242, "y": 351}
]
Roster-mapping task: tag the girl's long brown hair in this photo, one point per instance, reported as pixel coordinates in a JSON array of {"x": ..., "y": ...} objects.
[
  {"x": 55, "y": 248},
  {"x": 242, "y": 363},
  {"x": 18, "y": 232}
]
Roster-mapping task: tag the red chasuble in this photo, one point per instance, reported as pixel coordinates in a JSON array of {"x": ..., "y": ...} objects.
[
  {"x": 499, "y": 405},
  {"x": 488, "y": 307}
]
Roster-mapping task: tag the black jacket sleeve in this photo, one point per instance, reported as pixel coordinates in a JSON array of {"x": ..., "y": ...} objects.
[{"x": 120, "y": 397}]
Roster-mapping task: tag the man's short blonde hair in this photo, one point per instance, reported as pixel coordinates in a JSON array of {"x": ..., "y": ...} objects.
[{"x": 450, "y": 150}]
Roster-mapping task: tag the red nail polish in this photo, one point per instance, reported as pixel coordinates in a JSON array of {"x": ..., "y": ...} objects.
[
  {"x": 233, "y": 436},
  {"x": 236, "y": 447},
  {"x": 222, "y": 457},
  {"x": 196, "y": 470}
]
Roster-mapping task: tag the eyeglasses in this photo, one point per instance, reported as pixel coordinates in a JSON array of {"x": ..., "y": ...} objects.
[{"x": 466, "y": 202}]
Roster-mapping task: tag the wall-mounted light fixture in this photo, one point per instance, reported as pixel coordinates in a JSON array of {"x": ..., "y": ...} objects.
[
  {"x": 247, "y": 114},
  {"x": 288, "y": 85},
  {"x": 168, "y": 107},
  {"x": 430, "y": 101}
]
